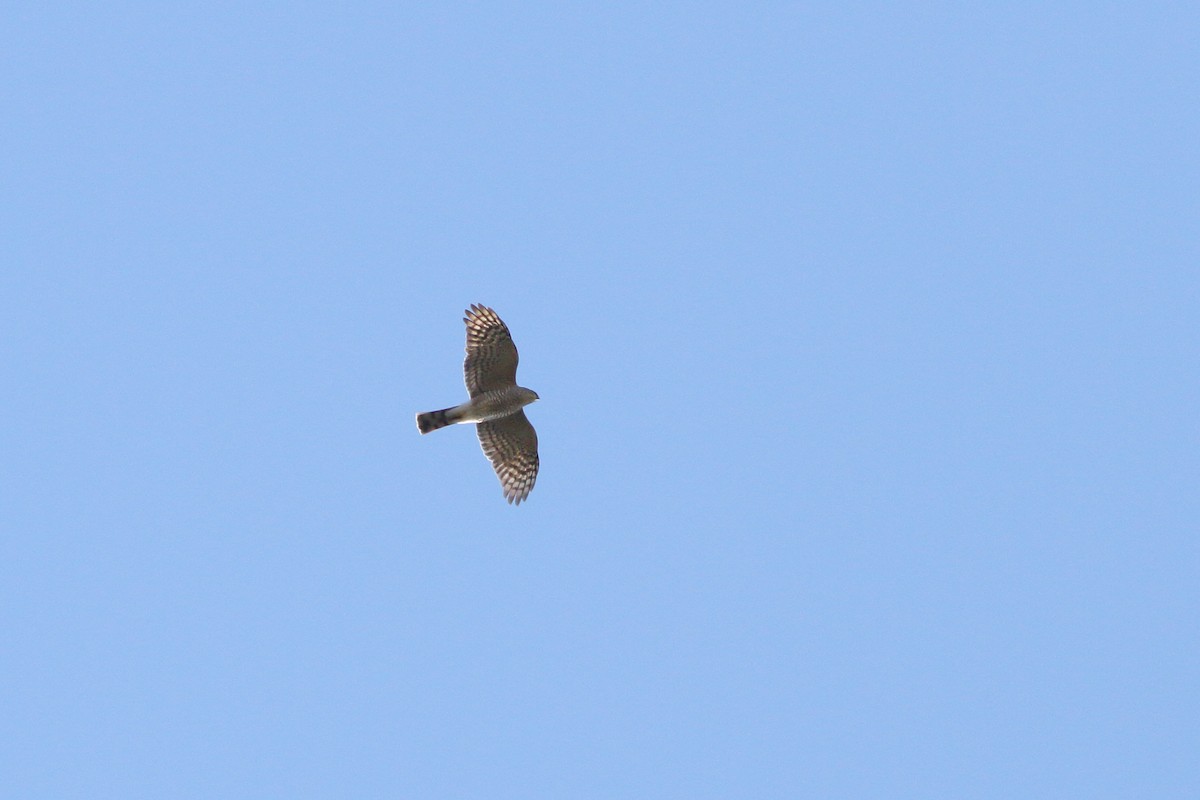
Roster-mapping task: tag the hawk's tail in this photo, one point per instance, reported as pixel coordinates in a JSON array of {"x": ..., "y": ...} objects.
[{"x": 432, "y": 420}]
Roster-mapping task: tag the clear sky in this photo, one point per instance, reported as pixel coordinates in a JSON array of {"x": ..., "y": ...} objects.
[{"x": 867, "y": 342}]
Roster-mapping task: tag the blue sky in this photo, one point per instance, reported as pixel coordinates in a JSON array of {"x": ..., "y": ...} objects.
[{"x": 866, "y": 336}]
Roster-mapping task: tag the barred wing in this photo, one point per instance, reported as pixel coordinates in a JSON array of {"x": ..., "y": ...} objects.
[
  {"x": 510, "y": 443},
  {"x": 491, "y": 355}
]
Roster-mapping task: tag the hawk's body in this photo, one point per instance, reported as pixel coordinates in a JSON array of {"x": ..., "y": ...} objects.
[{"x": 496, "y": 404}]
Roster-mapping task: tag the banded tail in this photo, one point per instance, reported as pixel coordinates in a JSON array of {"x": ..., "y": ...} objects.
[{"x": 432, "y": 420}]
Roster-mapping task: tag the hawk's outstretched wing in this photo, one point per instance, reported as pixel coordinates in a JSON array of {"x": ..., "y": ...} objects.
[
  {"x": 491, "y": 355},
  {"x": 510, "y": 443}
]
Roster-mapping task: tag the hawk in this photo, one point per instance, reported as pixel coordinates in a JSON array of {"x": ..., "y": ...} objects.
[{"x": 496, "y": 404}]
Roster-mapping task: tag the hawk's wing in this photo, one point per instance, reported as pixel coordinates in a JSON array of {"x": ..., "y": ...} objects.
[
  {"x": 510, "y": 443},
  {"x": 491, "y": 355}
]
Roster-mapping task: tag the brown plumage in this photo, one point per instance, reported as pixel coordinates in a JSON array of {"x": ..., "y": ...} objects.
[{"x": 505, "y": 433}]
